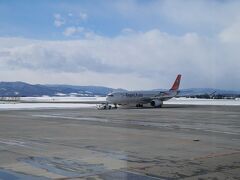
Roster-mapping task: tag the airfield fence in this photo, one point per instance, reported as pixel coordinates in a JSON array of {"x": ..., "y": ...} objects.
[{"x": 10, "y": 99}]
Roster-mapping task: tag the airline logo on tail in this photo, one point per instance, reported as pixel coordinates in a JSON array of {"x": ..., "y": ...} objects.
[{"x": 176, "y": 84}]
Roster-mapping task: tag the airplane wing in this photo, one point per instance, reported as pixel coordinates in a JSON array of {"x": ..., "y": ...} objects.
[
  {"x": 162, "y": 96},
  {"x": 195, "y": 94}
]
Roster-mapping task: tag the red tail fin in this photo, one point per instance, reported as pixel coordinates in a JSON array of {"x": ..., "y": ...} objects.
[{"x": 176, "y": 84}]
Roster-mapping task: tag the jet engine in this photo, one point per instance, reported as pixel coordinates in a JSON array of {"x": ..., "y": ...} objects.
[{"x": 156, "y": 103}]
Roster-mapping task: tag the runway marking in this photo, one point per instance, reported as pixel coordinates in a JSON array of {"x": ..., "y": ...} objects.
[
  {"x": 73, "y": 118},
  {"x": 222, "y": 132},
  {"x": 153, "y": 124},
  {"x": 217, "y": 155},
  {"x": 141, "y": 123},
  {"x": 23, "y": 144},
  {"x": 13, "y": 142}
]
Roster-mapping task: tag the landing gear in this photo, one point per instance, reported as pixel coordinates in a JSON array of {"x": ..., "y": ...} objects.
[
  {"x": 139, "y": 105},
  {"x": 104, "y": 106}
]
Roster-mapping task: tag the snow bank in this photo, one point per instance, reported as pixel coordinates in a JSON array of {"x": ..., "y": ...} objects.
[
  {"x": 195, "y": 101},
  {"x": 43, "y": 106},
  {"x": 75, "y": 102},
  {"x": 62, "y": 99}
]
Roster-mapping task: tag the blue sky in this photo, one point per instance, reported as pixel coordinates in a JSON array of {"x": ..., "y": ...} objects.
[
  {"x": 104, "y": 42},
  {"x": 34, "y": 19}
]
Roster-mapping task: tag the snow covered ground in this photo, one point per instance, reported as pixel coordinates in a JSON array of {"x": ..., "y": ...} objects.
[
  {"x": 43, "y": 105},
  {"x": 50, "y": 103},
  {"x": 61, "y": 99},
  {"x": 195, "y": 101},
  {"x": 72, "y": 102}
]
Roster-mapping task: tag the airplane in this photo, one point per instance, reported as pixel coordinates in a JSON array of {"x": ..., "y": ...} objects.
[
  {"x": 127, "y": 98},
  {"x": 140, "y": 98}
]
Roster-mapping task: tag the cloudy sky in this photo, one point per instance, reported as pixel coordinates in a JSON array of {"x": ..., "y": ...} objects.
[{"x": 134, "y": 44}]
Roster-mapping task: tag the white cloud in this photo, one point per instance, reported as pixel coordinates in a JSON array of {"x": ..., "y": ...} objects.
[
  {"x": 83, "y": 16},
  {"x": 70, "y": 31},
  {"x": 128, "y": 31},
  {"x": 231, "y": 33},
  {"x": 77, "y": 78},
  {"x": 69, "y": 19},
  {"x": 206, "y": 17},
  {"x": 58, "y": 20},
  {"x": 140, "y": 60},
  {"x": 79, "y": 32},
  {"x": 70, "y": 14},
  {"x": 71, "y": 23}
]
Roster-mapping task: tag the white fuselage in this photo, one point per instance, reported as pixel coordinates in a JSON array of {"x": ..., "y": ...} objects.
[{"x": 139, "y": 97}]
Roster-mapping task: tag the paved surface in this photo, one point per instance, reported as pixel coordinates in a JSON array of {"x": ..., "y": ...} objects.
[{"x": 174, "y": 142}]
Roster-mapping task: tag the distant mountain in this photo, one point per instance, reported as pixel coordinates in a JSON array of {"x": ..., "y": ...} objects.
[
  {"x": 91, "y": 90},
  {"x": 204, "y": 91},
  {"x": 9, "y": 89},
  {"x": 24, "y": 89},
  {"x": 209, "y": 91}
]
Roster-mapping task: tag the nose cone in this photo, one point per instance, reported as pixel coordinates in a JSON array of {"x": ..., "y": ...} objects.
[{"x": 109, "y": 98}]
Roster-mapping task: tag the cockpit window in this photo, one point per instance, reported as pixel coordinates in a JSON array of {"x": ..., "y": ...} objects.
[{"x": 110, "y": 95}]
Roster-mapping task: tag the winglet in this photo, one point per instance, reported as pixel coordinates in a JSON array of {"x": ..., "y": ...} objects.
[{"x": 176, "y": 84}]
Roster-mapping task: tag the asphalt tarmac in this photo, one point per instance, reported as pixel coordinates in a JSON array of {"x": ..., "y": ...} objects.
[{"x": 173, "y": 142}]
